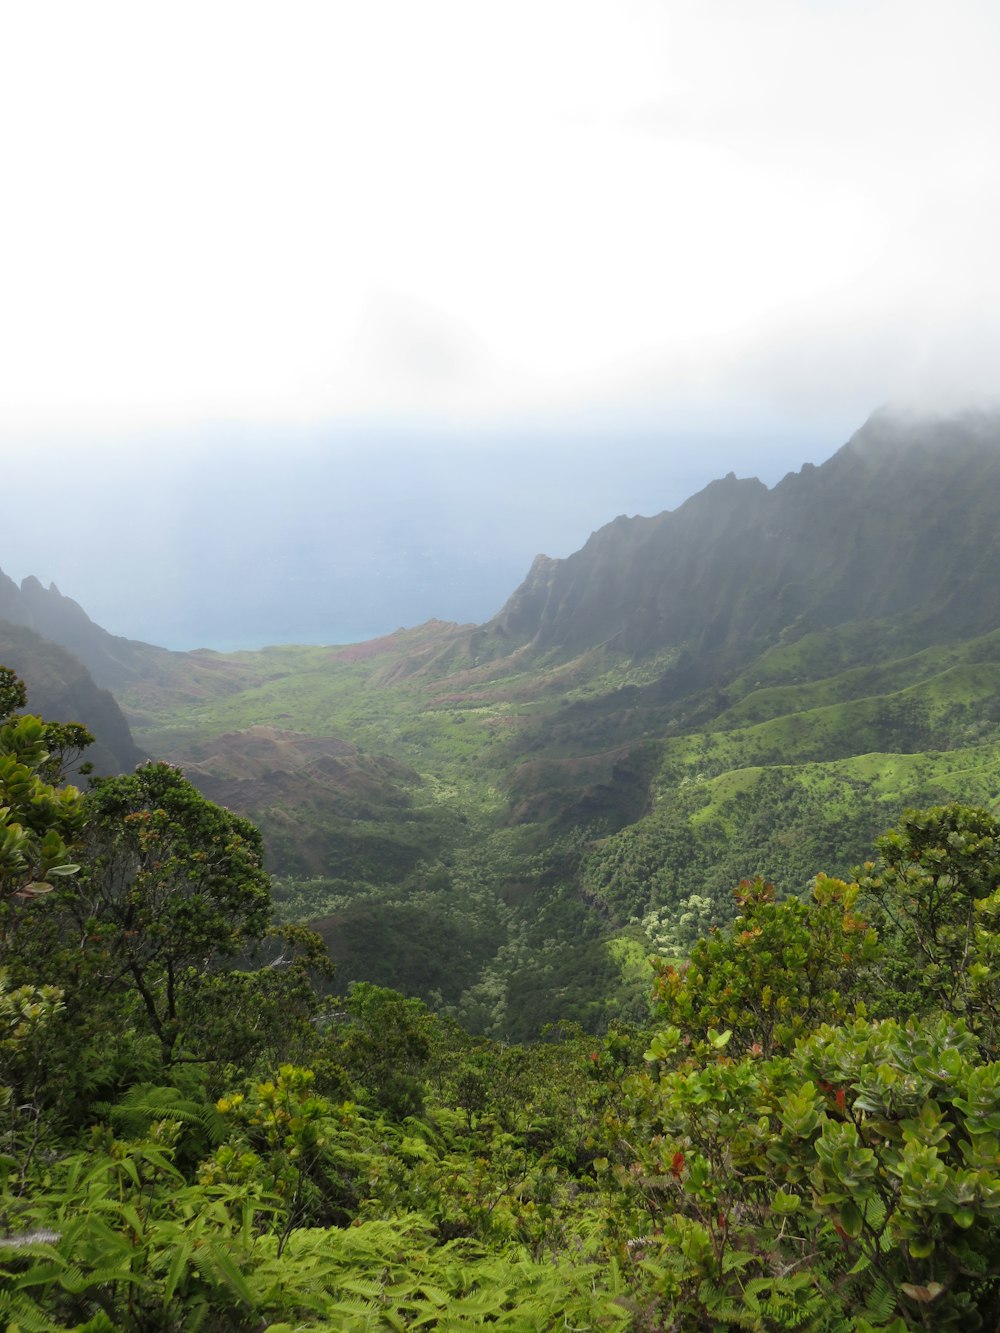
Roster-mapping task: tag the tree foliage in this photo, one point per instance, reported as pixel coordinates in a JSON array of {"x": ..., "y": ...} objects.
[
  {"x": 934, "y": 889},
  {"x": 779, "y": 971},
  {"x": 39, "y": 822},
  {"x": 173, "y": 886},
  {"x": 190, "y": 1138}
]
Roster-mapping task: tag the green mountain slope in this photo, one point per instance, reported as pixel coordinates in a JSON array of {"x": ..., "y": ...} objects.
[
  {"x": 506, "y": 818},
  {"x": 494, "y": 859}
]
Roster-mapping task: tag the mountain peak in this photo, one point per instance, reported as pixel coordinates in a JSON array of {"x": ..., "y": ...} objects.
[
  {"x": 900, "y": 426},
  {"x": 110, "y": 659}
]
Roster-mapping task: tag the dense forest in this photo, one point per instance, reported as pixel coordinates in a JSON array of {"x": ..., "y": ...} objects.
[{"x": 197, "y": 1133}]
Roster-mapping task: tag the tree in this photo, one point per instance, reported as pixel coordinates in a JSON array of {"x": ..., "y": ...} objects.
[
  {"x": 777, "y": 972},
  {"x": 265, "y": 1011},
  {"x": 385, "y": 1046},
  {"x": 39, "y": 822},
  {"x": 172, "y": 886},
  {"x": 934, "y": 893},
  {"x": 850, "y": 1184},
  {"x": 13, "y": 694}
]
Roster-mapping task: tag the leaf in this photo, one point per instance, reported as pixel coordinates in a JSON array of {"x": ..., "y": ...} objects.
[
  {"x": 230, "y": 1273},
  {"x": 36, "y": 889},
  {"x": 783, "y": 1203},
  {"x": 178, "y": 1264},
  {"x": 922, "y": 1294},
  {"x": 851, "y": 1219}
]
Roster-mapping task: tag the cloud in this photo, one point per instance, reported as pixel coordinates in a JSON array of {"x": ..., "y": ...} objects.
[
  {"x": 477, "y": 211},
  {"x": 402, "y": 340}
]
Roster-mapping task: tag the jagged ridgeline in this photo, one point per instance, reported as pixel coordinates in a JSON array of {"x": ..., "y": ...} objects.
[{"x": 507, "y": 819}]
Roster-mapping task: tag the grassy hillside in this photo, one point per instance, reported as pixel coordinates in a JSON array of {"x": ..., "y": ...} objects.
[{"x": 506, "y": 838}]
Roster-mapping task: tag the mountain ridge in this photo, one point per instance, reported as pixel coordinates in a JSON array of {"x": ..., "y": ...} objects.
[
  {"x": 111, "y": 659},
  {"x": 731, "y": 564}
]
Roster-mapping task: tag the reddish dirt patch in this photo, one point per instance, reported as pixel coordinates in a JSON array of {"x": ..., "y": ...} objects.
[{"x": 361, "y": 652}]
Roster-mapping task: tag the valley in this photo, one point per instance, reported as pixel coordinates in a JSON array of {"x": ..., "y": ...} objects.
[
  {"x": 662, "y": 907},
  {"x": 439, "y": 806},
  {"x": 508, "y": 820}
]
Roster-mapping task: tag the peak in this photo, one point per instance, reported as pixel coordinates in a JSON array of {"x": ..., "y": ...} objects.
[
  {"x": 731, "y": 482},
  {"x": 747, "y": 483},
  {"x": 726, "y": 493},
  {"x": 899, "y": 424}
]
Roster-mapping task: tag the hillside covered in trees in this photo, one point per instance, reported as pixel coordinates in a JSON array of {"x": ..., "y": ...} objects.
[{"x": 196, "y": 1135}]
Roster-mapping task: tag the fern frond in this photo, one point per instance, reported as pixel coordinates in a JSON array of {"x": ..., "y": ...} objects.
[{"x": 18, "y": 1310}]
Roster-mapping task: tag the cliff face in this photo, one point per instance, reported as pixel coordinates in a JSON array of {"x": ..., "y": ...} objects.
[
  {"x": 61, "y": 689},
  {"x": 898, "y": 518}
]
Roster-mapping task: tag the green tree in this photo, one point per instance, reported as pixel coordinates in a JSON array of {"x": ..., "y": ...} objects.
[
  {"x": 852, "y": 1184},
  {"x": 39, "y": 821},
  {"x": 173, "y": 886},
  {"x": 934, "y": 893},
  {"x": 385, "y": 1046},
  {"x": 13, "y": 693},
  {"x": 777, "y": 972},
  {"x": 263, "y": 1013}
]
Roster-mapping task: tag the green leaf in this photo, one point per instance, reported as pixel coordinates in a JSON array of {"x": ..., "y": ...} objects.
[
  {"x": 178, "y": 1264},
  {"x": 784, "y": 1204},
  {"x": 851, "y": 1219},
  {"x": 230, "y": 1274}
]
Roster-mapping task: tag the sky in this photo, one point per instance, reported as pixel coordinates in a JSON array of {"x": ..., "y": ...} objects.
[{"x": 465, "y": 268}]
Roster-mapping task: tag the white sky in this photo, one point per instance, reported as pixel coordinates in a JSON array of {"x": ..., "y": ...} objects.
[{"x": 471, "y": 212}]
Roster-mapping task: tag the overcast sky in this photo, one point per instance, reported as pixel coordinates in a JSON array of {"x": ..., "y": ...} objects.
[{"x": 463, "y": 220}]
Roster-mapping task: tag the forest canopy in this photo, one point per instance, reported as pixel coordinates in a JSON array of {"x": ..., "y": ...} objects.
[{"x": 197, "y": 1135}]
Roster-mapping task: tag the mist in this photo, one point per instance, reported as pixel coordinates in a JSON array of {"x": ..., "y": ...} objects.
[
  {"x": 389, "y": 299},
  {"x": 235, "y": 539}
]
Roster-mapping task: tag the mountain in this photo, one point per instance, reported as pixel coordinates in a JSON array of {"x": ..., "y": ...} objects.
[
  {"x": 900, "y": 520},
  {"x": 71, "y": 665},
  {"x": 509, "y": 818},
  {"x": 110, "y": 659},
  {"x": 313, "y": 797},
  {"x": 62, "y": 690}
]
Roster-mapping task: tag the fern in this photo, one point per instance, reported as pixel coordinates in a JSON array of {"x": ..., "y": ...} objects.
[
  {"x": 18, "y": 1310},
  {"x": 880, "y": 1302},
  {"x": 146, "y": 1105}
]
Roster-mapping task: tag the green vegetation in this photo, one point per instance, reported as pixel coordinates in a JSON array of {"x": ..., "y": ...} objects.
[
  {"x": 497, "y": 831},
  {"x": 803, "y": 1136},
  {"x": 37, "y": 820}
]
